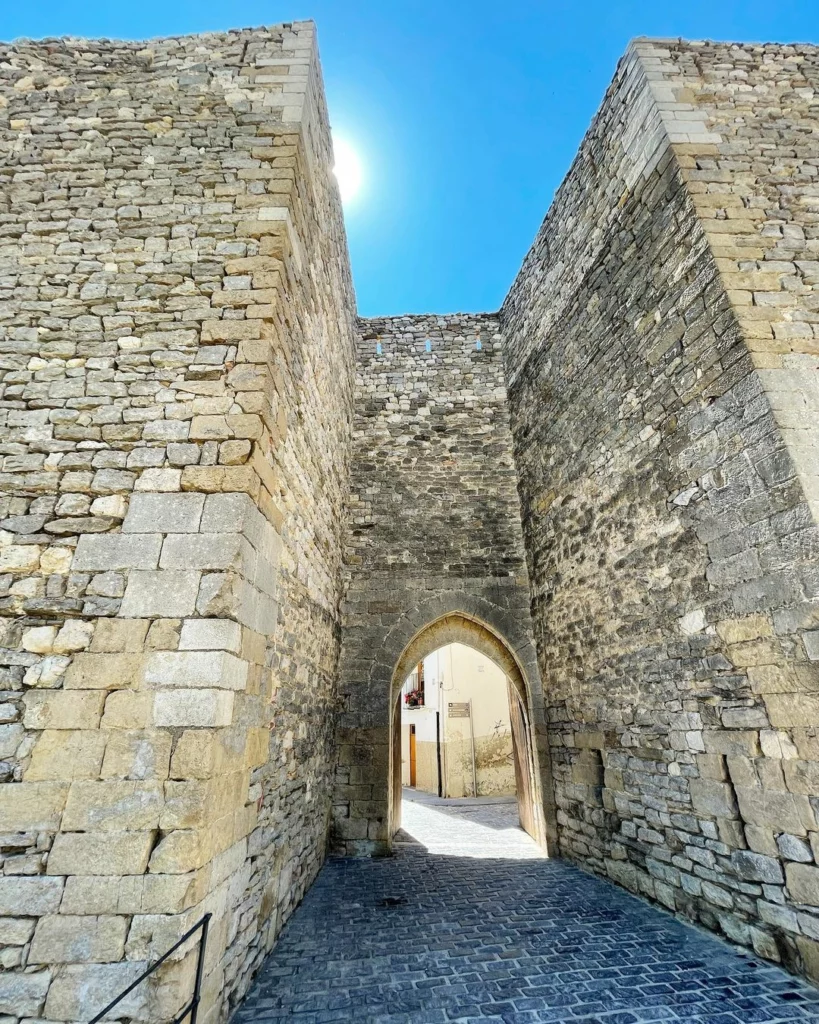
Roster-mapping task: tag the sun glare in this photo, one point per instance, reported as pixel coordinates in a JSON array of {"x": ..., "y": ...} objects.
[{"x": 347, "y": 169}]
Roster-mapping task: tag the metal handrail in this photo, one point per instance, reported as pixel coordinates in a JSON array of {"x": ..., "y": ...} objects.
[{"x": 192, "y": 1007}]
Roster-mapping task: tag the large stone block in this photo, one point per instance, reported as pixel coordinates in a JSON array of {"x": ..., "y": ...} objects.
[
  {"x": 137, "y": 754},
  {"x": 35, "y": 895},
  {"x": 63, "y": 939},
  {"x": 125, "y": 709},
  {"x": 134, "y": 894},
  {"x": 218, "y": 669},
  {"x": 164, "y": 513},
  {"x": 113, "y": 806},
  {"x": 102, "y": 552},
  {"x": 80, "y": 991},
  {"x": 193, "y": 708},
  {"x": 209, "y": 551},
  {"x": 115, "y": 636},
  {"x": 787, "y": 710},
  {"x": 211, "y": 635},
  {"x": 713, "y": 798},
  {"x": 195, "y": 755},
  {"x": 64, "y": 755},
  {"x": 102, "y": 853},
  {"x": 63, "y": 709},
  {"x": 23, "y": 995},
  {"x": 803, "y": 883},
  {"x": 103, "y": 671},
  {"x": 168, "y": 593},
  {"x": 778, "y": 811},
  {"x": 238, "y": 513},
  {"x": 32, "y": 806}
]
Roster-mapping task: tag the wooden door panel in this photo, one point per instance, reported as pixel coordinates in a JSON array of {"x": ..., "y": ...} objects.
[{"x": 523, "y": 763}]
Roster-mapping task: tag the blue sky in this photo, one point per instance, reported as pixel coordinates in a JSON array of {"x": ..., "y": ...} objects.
[{"x": 466, "y": 115}]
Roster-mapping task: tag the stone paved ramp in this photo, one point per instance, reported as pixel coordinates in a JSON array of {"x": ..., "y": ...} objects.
[{"x": 438, "y": 937}]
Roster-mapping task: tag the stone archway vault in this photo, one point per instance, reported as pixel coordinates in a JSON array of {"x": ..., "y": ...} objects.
[{"x": 459, "y": 627}]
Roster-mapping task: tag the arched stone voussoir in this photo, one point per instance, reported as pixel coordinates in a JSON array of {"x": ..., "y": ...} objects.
[{"x": 460, "y": 627}]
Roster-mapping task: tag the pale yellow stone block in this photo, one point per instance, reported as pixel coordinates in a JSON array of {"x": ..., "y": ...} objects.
[
  {"x": 203, "y": 708},
  {"x": 115, "y": 636},
  {"x": 125, "y": 709},
  {"x": 245, "y": 820},
  {"x": 56, "y": 561},
  {"x": 803, "y": 883},
  {"x": 63, "y": 709},
  {"x": 75, "y": 635},
  {"x": 750, "y": 627},
  {"x": 63, "y": 754},
  {"x": 163, "y": 635},
  {"x": 182, "y": 851},
  {"x": 39, "y": 639},
  {"x": 104, "y": 671},
  {"x": 100, "y": 853},
  {"x": 138, "y": 754},
  {"x": 203, "y": 478},
  {"x": 20, "y": 559},
  {"x": 32, "y": 806},
  {"x": 113, "y": 805},
  {"x": 78, "y": 991},
  {"x": 775, "y": 679},
  {"x": 195, "y": 755},
  {"x": 257, "y": 746},
  {"x": 188, "y": 804},
  {"x": 63, "y": 939},
  {"x": 135, "y": 894},
  {"x": 792, "y": 709},
  {"x": 755, "y": 652}
]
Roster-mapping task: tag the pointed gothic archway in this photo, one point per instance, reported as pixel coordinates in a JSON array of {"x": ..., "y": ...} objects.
[{"x": 458, "y": 627}]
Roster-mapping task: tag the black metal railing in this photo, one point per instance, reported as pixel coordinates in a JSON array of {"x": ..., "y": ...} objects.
[{"x": 192, "y": 1007}]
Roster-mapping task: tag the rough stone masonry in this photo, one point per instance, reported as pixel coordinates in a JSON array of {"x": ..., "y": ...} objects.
[{"x": 229, "y": 507}]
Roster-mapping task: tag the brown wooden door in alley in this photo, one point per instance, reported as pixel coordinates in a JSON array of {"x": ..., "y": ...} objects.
[{"x": 412, "y": 754}]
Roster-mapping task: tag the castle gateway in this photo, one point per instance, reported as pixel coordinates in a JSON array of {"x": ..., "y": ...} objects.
[{"x": 234, "y": 515}]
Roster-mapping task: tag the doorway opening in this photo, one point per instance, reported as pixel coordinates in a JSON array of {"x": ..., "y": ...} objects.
[
  {"x": 461, "y": 739},
  {"x": 459, "y": 717}
]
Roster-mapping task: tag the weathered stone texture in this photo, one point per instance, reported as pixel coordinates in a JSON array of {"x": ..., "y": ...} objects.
[
  {"x": 743, "y": 123},
  {"x": 184, "y": 387},
  {"x": 433, "y": 528},
  {"x": 177, "y": 338},
  {"x": 667, "y": 518}
]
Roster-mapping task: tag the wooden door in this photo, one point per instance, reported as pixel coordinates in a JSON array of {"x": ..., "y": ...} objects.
[
  {"x": 396, "y": 768},
  {"x": 412, "y": 754},
  {"x": 522, "y": 751}
]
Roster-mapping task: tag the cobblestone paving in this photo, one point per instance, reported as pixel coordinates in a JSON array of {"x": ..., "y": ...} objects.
[
  {"x": 466, "y": 828},
  {"x": 437, "y": 937}
]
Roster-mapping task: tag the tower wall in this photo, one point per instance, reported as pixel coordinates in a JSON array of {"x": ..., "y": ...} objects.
[
  {"x": 177, "y": 350},
  {"x": 433, "y": 528},
  {"x": 658, "y": 349}
]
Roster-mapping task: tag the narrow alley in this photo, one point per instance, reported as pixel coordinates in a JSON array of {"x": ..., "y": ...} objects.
[{"x": 469, "y": 923}]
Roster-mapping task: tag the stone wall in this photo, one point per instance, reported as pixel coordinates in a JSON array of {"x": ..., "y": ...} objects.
[
  {"x": 433, "y": 528},
  {"x": 177, "y": 352},
  {"x": 659, "y": 344},
  {"x": 184, "y": 386}
]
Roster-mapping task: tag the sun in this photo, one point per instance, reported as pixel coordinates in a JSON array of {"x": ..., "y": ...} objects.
[{"x": 347, "y": 169}]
